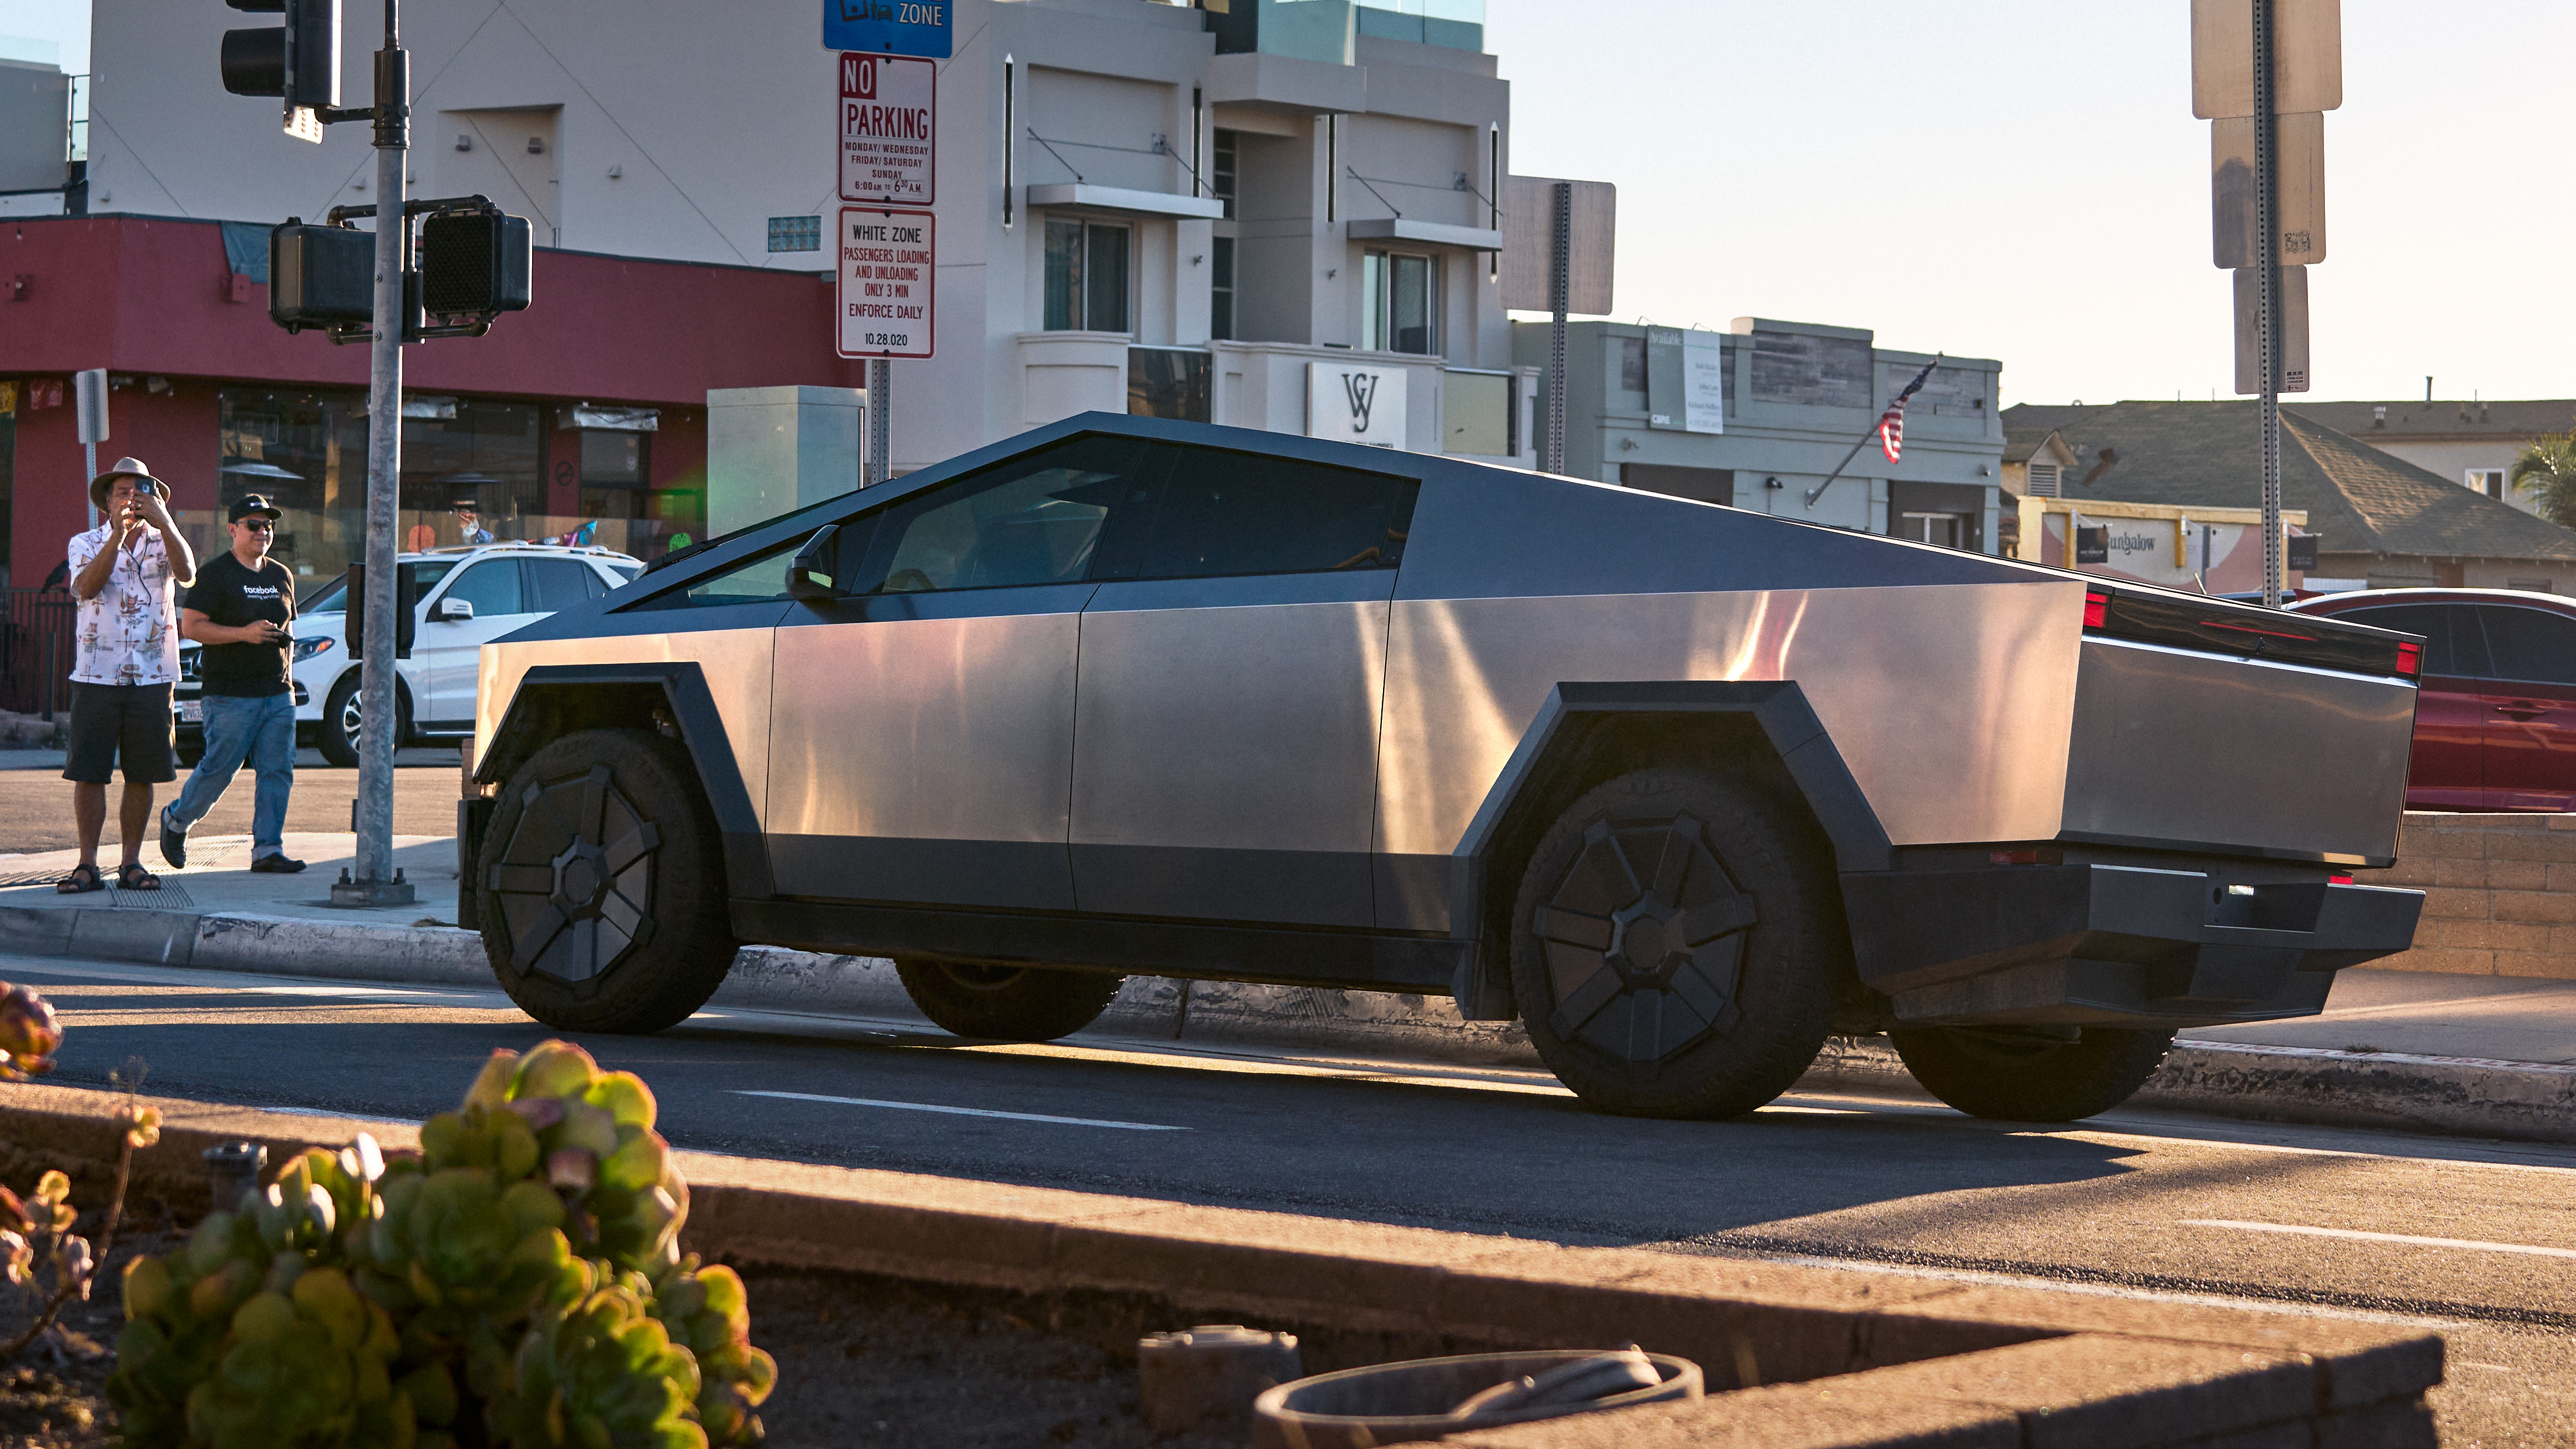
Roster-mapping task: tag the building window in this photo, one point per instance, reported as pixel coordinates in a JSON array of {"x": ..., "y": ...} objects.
[
  {"x": 1086, "y": 276},
  {"x": 1221, "y": 176},
  {"x": 2489, "y": 481},
  {"x": 2043, "y": 480},
  {"x": 615, "y": 470},
  {"x": 1949, "y": 530},
  {"x": 796, "y": 233},
  {"x": 1168, "y": 382},
  {"x": 1221, "y": 289},
  {"x": 1632, "y": 364},
  {"x": 1401, "y": 296}
]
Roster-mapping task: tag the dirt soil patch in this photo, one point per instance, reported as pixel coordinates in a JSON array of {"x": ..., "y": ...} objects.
[{"x": 55, "y": 1395}]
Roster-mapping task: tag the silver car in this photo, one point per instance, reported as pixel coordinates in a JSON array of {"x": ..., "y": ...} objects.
[{"x": 1683, "y": 788}]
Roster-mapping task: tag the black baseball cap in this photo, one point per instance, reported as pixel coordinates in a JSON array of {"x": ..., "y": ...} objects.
[{"x": 252, "y": 505}]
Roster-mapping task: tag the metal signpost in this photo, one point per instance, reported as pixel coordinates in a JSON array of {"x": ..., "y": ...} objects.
[
  {"x": 479, "y": 267},
  {"x": 1558, "y": 246},
  {"x": 2264, "y": 72},
  {"x": 89, "y": 394}
]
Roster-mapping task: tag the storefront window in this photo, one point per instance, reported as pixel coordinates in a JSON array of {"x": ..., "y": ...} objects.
[{"x": 472, "y": 471}]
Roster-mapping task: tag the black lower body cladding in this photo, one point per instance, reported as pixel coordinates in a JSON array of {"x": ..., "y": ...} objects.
[
  {"x": 602, "y": 885},
  {"x": 2112, "y": 945}
]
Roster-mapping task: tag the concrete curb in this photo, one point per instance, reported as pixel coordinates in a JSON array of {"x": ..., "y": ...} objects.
[
  {"x": 2449, "y": 1095},
  {"x": 1849, "y": 1357}
]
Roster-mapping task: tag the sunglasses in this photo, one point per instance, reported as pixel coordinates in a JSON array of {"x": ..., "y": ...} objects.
[{"x": 259, "y": 525}]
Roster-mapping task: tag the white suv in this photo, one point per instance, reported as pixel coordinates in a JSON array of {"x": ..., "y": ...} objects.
[{"x": 466, "y": 598}]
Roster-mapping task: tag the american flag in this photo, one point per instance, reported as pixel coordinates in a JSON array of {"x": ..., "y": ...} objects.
[{"x": 1891, "y": 423}]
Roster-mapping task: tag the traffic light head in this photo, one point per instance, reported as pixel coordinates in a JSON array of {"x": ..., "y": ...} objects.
[{"x": 299, "y": 61}]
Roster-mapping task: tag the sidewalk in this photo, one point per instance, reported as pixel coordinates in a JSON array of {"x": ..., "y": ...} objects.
[{"x": 2475, "y": 1055}]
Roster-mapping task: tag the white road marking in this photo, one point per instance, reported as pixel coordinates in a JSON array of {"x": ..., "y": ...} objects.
[
  {"x": 2358, "y": 1236},
  {"x": 327, "y": 1112},
  {"x": 964, "y": 1111}
]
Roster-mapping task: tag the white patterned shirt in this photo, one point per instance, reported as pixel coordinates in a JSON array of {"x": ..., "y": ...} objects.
[{"x": 128, "y": 633}]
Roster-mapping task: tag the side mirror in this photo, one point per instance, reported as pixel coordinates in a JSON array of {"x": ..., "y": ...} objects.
[
  {"x": 455, "y": 611},
  {"x": 809, "y": 578}
]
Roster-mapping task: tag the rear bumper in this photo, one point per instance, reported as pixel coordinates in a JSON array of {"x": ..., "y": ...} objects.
[{"x": 2105, "y": 945}]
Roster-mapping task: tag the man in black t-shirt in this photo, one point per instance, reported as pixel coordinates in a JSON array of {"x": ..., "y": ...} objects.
[{"x": 239, "y": 610}]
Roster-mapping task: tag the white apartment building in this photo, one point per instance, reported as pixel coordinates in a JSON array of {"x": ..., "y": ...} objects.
[{"x": 1211, "y": 212}]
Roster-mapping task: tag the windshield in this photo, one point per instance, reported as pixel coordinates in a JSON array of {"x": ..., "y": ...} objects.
[{"x": 334, "y": 597}]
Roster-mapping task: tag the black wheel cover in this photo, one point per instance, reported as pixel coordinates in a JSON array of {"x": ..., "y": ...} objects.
[
  {"x": 1645, "y": 941},
  {"x": 575, "y": 882}
]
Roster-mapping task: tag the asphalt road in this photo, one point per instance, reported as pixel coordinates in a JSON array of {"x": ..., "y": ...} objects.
[
  {"x": 36, "y": 804},
  {"x": 2475, "y": 1239}
]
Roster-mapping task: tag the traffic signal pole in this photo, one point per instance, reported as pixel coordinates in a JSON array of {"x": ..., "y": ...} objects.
[{"x": 375, "y": 880}]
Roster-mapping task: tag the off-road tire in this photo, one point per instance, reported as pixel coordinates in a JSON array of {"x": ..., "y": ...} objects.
[
  {"x": 2017, "y": 1075},
  {"x": 1725, "y": 892},
  {"x": 1007, "y": 1003},
  {"x": 330, "y": 733},
  {"x": 603, "y": 885}
]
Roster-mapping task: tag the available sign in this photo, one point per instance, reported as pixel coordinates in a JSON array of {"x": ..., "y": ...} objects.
[
  {"x": 888, "y": 111},
  {"x": 886, "y": 271}
]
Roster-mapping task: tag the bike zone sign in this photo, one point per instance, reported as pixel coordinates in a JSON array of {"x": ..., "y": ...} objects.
[
  {"x": 888, "y": 110},
  {"x": 886, "y": 269}
]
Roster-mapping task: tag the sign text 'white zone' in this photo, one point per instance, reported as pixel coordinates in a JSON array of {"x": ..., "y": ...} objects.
[{"x": 887, "y": 269}]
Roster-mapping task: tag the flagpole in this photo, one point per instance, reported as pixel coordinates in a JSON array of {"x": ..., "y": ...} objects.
[{"x": 1819, "y": 490}]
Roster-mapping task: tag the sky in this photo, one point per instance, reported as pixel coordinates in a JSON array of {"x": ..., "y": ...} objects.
[{"x": 2024, "y": 180}]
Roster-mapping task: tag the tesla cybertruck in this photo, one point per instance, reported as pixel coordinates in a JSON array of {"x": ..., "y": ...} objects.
[{"x": 1682, "y": 787}]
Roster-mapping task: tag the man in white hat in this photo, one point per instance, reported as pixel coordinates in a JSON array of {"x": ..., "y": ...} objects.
[{"x": 125, "y": 660}]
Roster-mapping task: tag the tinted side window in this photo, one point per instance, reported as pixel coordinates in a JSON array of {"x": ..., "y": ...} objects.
[
  {"x": 2531, "y": 644},
  {"x": 760, "y": 579},
  {"x": 1042, "y": 519},
  {"x": 491, "y": 586},
  {"x": 1242, "y": 513},
  {"x": 557, "y": 583},
  {"x": 2452, "y": 643}
]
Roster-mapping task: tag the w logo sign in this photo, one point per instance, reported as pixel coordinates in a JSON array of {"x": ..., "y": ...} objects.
[
  {"x": 1361, "y": 389},
  {"x": 1355, "y": 404}
]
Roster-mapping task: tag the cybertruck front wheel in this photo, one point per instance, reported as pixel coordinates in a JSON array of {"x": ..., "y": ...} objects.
[
  {"x": 603, "y": 885},
  {"x": 1007, "y": 1003},
  {"x": 1675, "y": 941},
  {"x": 2025, "y": 1074}
]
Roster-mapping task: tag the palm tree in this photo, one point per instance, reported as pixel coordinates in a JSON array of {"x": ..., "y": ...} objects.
[{"x": 2546, "y": 473}]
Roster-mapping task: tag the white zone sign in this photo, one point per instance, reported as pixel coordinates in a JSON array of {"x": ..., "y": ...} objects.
[
  {"x": 888, "y": 113},
  {"x": 886, "y": 269}
]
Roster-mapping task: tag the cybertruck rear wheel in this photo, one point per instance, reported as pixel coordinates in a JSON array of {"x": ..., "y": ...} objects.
[
  {"x": 2024, "y": 1074},
  {"x": 1007, "y": 1003},
  {"x": 603, "y": 885},
  {"x": 1675, "y": 941}
]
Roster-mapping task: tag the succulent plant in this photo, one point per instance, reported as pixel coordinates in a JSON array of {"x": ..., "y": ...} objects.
[
  {"x": 519, "y": 1281},
  {"x": 306, "y": 1368},
  {"x": 29, "y": 1033},
  {"x": 601, "y": 1373},
  {"x": 708, "y": 1313}
]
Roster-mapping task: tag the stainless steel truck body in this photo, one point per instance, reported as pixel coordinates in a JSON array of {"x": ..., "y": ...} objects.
[{"x": 1682, "y": 786}]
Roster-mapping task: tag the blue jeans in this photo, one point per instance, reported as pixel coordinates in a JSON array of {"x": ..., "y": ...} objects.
[{"x": 261, "y": 732}]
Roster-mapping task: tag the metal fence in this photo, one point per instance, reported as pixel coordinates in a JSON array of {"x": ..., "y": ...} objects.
[{"x": 36, "y": 651}]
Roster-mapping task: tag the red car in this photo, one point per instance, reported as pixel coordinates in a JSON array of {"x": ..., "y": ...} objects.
[{"x": 2495, "y": 721}]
